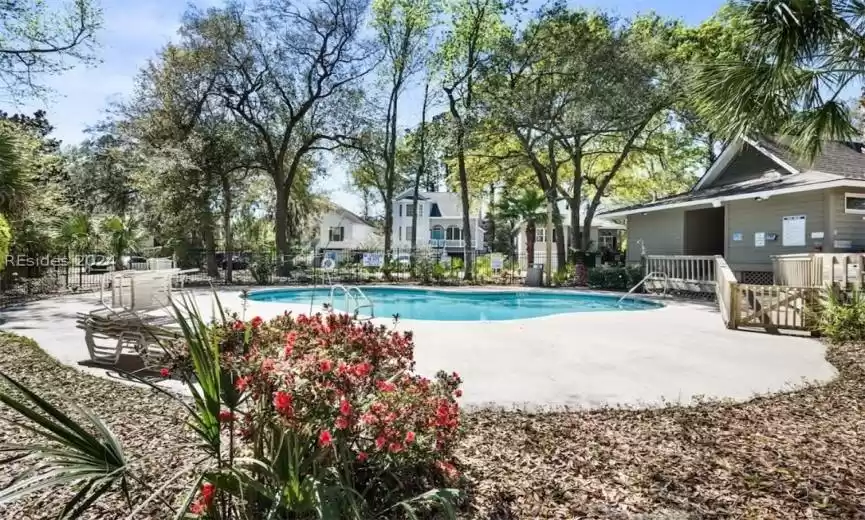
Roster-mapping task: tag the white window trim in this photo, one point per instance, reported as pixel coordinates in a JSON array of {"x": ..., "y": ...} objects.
[
  {"x": 853, "y": 196},
  {"x": 540, "y": 232},
  {"x": 330, "y": 233}
]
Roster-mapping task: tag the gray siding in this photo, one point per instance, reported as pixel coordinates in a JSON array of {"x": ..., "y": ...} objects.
[
  {"x": 749, "y": 164},
  {"x": 845, "y": 226},
  {"x": 662, "y": 233},
  {"x": 750, "y": 216}
]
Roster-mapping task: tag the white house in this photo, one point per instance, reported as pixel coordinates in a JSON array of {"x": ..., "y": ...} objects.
[
  {"x": 605, "y": 234},
  {"x": 439, "y": 222},
  {"x": 339, "y": 229}
]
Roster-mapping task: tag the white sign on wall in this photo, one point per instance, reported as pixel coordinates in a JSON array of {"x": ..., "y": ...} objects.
[
  {"x": 793, "y": 232},
  {"x": 497, "y": 261},
  {"x": 373, "y": 260},
  {"x": 760, "y": 239}
]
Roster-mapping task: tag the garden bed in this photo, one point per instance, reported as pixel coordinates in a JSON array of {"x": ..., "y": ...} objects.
[{"x": 795, "y": 455}]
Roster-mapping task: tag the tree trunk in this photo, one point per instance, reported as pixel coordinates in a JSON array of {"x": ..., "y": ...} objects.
[
  {"x": 530, "y": 243},
  {"x": 490, "y": 231},
  {"x": 207, "y": 233},
  {"x": 420, "y": 170},
  {"x": 464, "y": 186},
  {"x": 226, "y": 227},
  {"x": 281, "y": 221},
  {"x": 577, "y": 196},
  {"x": 388, "y": 239}
]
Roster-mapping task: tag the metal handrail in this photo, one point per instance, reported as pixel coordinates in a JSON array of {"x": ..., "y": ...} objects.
[
  {"x": 653, "y": 274},
  {"x": 361, "y": 301}
]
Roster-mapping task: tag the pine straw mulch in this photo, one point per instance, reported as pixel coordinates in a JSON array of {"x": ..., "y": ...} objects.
[{"x": 797, "y": 455}]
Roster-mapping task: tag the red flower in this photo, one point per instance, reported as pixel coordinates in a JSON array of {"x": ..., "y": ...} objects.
[
  {"x": 282, "y": 401},
  {"x": 395, "y": 447},
  {"x": 225, "y": 416},
  {"x": 458, "y": 393},
  {"x": 380, "y": 442},
  {"x": 325, "y": 365},
  {"x": 290, "y": 340},
  {"x": 241, "y": 383},
  {"x": 385, "y": 386},
  {"x": 409, "y": 437},
  {"x": 165, "y": 372},
  {"x": 361, "y": 456},
  {"x": 256, "y": 322},
  {"x": 369, "y": 418},
  {"x": 196, "y": 508},
  {"x": 341, "y": 423},
  {"x": 208, "y": 491},
  {"x": 345, "y": 408},
  {"x": 238, "y": 325},
  {"x": 448, "y": 470},
  {"x": 362, "y": 369},
  {"x": 325, "y": 439}
]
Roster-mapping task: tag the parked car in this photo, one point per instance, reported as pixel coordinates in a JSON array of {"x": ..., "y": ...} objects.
[
  {"x": 237, "y": 262},
  {"x": 105, "y": 264}
]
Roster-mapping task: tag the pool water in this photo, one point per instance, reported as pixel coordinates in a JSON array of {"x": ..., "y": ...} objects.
[{"x": 427, "y": 304}]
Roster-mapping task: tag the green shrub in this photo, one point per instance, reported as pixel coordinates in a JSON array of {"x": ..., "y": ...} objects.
[
  {"x": 262, "y": 272},
  {"x": 842, "y": 317},
  {"x": 614, "y": 278},
  {"x": 5, "y": 240}
]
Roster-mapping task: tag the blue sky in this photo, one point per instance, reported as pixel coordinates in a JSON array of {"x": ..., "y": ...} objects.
[{"x": 135, "y": 30}]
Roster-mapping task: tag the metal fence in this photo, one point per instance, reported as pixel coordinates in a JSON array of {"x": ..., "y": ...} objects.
[{"x": 21, "y": 281}]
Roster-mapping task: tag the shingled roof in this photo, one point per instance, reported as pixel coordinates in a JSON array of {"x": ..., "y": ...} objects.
[{"x": 838, "y": 162}]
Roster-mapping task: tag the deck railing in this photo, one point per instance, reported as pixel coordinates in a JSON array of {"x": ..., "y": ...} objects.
[
  {"x": 844, "y": 270},
  {"x": 685, "y": 272}
]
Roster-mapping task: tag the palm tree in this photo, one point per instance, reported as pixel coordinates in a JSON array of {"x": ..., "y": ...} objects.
[
  {"x": 527, "y": 207},
  {"x": 123, "y": 235},
  {"x": 78, "y": 233},
  {"x": 799, "y": 58}
]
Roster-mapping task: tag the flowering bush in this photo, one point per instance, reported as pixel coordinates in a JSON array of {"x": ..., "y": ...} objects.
[{"x": 308, "y": 417}]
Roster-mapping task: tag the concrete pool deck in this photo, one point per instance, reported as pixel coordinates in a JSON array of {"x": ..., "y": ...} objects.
[{"x": 582, "y": 360}]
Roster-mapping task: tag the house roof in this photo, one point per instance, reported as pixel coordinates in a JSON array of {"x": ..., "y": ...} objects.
[
  {"x": 448, "y": 201},
  {"x": 332, "y": 206},
  {"x": 839, "y": 164}
]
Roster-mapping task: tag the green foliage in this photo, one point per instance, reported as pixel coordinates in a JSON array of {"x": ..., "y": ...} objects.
[
  {"x": 262, "y": 272},
  {"x": 842, "y": 317},
  {"x": 5, "y": 240},
  {"x": 798, "y": 58},
  {"x": 614, "y": 278}
]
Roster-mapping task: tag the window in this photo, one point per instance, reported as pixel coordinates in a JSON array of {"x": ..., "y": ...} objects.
[
  {"x": 408, "y": 233},
  {"x": 607, "y": 239},
  {"x": 437, "y": 233},
  {"x": 336, "y": 234},
  {"x": 854, "y": 203},
  {"x": 540, "y": 234},
  {"x": 454, "y": 233},
  {"x": 400, "y": 209},
  {"x": 410, "y": 207},
  {"x": 400, "y": 232}
]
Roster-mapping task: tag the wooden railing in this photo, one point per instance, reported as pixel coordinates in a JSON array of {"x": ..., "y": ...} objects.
[
  {"x": 685, "y": 272},
  {"x": 844, "y": 270},
  {"x": 725, "y": 291},
  {"x": 774, "y": 307}
]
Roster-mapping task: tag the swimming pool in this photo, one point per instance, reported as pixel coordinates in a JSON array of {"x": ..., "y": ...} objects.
[{"x": 452, "y": 305}]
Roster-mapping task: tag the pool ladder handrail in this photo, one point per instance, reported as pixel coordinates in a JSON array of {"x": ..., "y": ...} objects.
[
  {"x": 653, "y": 274},
  {"x": 361, "y": 301}
]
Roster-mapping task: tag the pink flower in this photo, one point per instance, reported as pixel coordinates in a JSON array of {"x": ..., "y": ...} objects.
[
  {"x": 256, "y": 322},
  {"x": 361, "y": 456},
  {"x": 380, "y": 441},
  {"x": 165, "y": 372},
  {"x": 369, "y": 418},
  {"x": 225, "y": 416},
  {"x": 458, "y": 393},
  {"x": 385, "y": 386},
  {"x": 267, "y": 366},
  {"x": 345, "y": 408},
  {"x": 324, "y": 438},
  {"x": 290, "y": 340},
  {"x": 241, "y": 383},
  {"x": 362, "y": 369},
  {"x": 341, "y": 423},
  {"x": 238, "y": 325},
  {"x": 208, "y": 491},
  {"x": 282, "y": 401},
  {"x": 325, "y": 365},
  {"x": 395, "y": 447},
  {"x": 409, "y": 437}
]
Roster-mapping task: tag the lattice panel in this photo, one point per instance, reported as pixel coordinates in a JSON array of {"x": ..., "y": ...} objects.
[{"x": 757, "y": 277}]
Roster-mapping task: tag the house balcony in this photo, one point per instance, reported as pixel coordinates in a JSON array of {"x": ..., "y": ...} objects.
[{"x": 441, "y": 243}]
